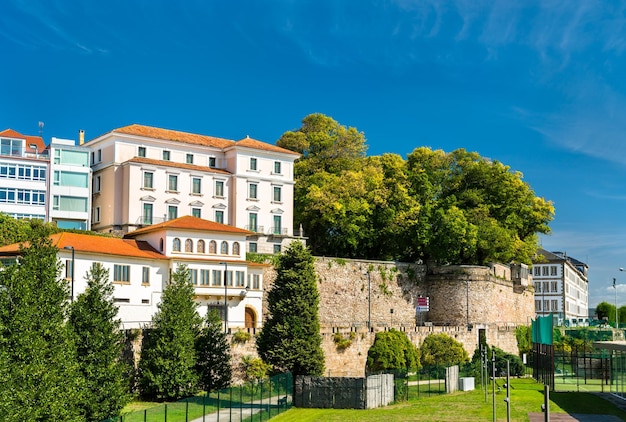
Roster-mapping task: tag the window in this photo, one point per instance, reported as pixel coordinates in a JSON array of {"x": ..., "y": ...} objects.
[
  {"x": 211, "y": 161},
  {"x": 145, "y": 275},
  {"x": 224, "y": 248},
  {"x": 96, "y": 184},
  {"x": 538, "y": 305},
  {"x": 166, "y": 155},
  {"x": 544, "y": 271},
  {"x": 172, "y": 183},
  {"x": 219, "y": 188},
  {"x": 121, "y": 273},
  {"x": 189, "y": 159},
  {"x": 538, "y": 287},
  {"x": 70, "y": 178},
  {"x": 252, "y": 191},
  {"x": 252, "y": 246},
  {"x": 188, "y": 245},
  {"x": 537, "y": 271},
  {"x": 196, "y": 212},
  {"x": 11, "y": 147},
  {"x": 239, "y": 278},
  {"x": 212, "y": 246},
  {"x": 277, "y": 194},
  {"x": 60, "y": 203},
  {"x": 277, "y": 248},
  {"x": 146, "y": 218},
  {"x": 236, "y": 248},
  {"x": 148, "y": 180},
  {"x": 554, "y": 305},
  {"x": 277, "y": 224},
  {"x": 96, "y": 215},
  {"x": 161, "y": 244},
  {"x": 172, "y": 212},
  {"x": 256, "y": 281},
  {"x": 196, "y": 185},
  {"x": 553, "y": 270},
  {"x": 554, "y": 285},
  {"x": 176, "y": 245},
  {"x": 68, "y": 269},
  {"x": 204, "y": 277},
  {"x": 145, "y": 301},
  {"x": 121, "y": 300},
  {"x": 277, "y": 167},
  {"x": 229, "y": 278},
  {"x": 200, "y": 246},
  {"x": 219, "y": 217},
  {"x": 141, "y": 151},
  {"x": 252, "y": 218},
  {"x": 217, "y": 277},
  {"x": 253, "y": 164},
  {"x": 99, "y": 155},
  {"x": 193, "y": 274}
]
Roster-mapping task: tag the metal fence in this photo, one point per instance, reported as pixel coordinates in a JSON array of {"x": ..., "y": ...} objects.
[{"x": 255, "y": 401}]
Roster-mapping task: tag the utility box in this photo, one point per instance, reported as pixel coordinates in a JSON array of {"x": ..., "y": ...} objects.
[{"x": 466, "y": 384}]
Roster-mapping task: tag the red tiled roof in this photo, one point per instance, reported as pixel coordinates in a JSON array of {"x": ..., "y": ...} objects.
[
  {"x": 30, "y": 140},
  {"x": 143, "y": 160},
  {"x": 96, "y": 244},
  {"x": 190, "y": 223},
  {"x": 173, "y": 135},
  {"x": 254, "y": 144}
]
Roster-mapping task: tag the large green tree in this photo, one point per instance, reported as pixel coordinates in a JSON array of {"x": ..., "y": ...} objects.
[
  {"x": 99, "y": 340},
  {"x": 39, "y": 374},
  {"x": 436, "y": 207},
  {"x": 290, "y": 339},
  {"x": 392, "y": 350},
  {"x": 13, "y": 230},
  {"x": 213, "y": 361},
  {"x": 168, "y": 358}
]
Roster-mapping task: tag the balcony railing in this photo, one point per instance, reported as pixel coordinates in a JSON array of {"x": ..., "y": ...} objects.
[
  {"x": 278, "y": 231},
  {"x": 146, "y": 220},
  {"x": 255, "y": 229}
]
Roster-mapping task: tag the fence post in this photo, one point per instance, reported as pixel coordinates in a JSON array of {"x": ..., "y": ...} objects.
[
  {"x": 204, "y": 406},
  {"x": 165, "y": 416},
  {"x": 231, "y": 403},
  {"x": 187, "y": 411},
  {"x": 240, "y": 403},
  {"x": 219, "y": 402}
]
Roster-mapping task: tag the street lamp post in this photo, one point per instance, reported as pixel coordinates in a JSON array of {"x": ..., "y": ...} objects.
[
  {"x": 72, "y": 282},
  {"x": 225, "y": 296},
  {"x": 369, "y": 302}
]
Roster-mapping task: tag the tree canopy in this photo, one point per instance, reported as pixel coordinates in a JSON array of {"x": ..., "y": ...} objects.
[
  {"x": 392, "y": 350},
  {"x": 213, "y": 354},
  {"x": 455, "y": 207},
  {"x": 442, "y": 350}
]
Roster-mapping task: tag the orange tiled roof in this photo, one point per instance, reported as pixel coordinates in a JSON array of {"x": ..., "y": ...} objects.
[
  {"x": 36, "y": 140},
  {"x": 96, "y": 244},
  {"x": 174, "y": 164},
  {"x": 190, "y": 223},
  {"x": 174, "y": 135},
  {"x": 253, "y": 143}
]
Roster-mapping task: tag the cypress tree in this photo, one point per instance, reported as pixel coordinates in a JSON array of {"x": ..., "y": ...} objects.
[
  {"x": 213, "y": 355},
  {"x": 40, "y": 376},
  {"x": 99, "y": 341},
  {"x": 167, "y": 366},
  {"x": 290, "y": 339}
]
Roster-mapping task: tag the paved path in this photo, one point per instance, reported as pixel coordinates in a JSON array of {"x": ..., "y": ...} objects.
[{"x": 240, "y": 413}]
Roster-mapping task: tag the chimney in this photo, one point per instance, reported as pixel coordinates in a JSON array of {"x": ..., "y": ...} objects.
[{"x": 81, "y": 137}]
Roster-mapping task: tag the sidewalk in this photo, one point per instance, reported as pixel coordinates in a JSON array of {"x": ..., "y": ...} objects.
[{"x": 245, "y": 411}]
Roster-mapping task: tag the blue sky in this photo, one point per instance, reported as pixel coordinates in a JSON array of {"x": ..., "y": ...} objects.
[{"x": 538, "y": 85}]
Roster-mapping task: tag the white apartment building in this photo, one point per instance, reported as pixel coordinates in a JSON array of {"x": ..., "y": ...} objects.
[
  {"x": 144, "y": 175},
  {"x": 140, "y": 265},
  {"x": 24, "y": 170},
  {"x": 561, "y": 287},
  {"x": 69, "y": 204}
]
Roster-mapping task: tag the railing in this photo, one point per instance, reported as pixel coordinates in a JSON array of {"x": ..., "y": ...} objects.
[
  {"x": 278, "y": 231},
  {"x": 255, "y": 229}
]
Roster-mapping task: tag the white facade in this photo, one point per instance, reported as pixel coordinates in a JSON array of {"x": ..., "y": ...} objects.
[
  {"x": 561, "y": 288},
  {"x": 140, "y": 266},
  {"x": 24, "y": 173},
  {"x": 148, "y": 175}
]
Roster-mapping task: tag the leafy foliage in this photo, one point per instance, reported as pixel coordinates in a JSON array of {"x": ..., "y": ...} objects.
[
  {"x": 392, "y": 350},
  {"x": 290, "y": 339},
  {"x": 516, "y": 366},
  {"x": 14, "y": 231},
  {"x": 39, "y": 373},
  {"x": 213, "y": 354},
  {"x": 168, "y": 358},
  {"x": 523, "y": 334},
  {"x": 442, "y": 350},
  {"x": 440, "y": 207},
  {"x": 254, "y": 369},
  {"x": 99, "y": 342}
]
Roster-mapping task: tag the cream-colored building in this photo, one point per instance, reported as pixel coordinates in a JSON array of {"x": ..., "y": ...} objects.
[
  {"x": 140, "y": 265},
  {"x": 144, "y": 175}
]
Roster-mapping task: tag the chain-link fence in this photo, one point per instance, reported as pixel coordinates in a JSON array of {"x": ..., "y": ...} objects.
[{"x": 255, "y": 401}]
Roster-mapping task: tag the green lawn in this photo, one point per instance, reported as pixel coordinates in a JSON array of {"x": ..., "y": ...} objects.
[{"x": 526, "y": 396}]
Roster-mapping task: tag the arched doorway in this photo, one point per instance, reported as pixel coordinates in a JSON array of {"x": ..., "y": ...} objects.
[{"x": 250, "y": 318}]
